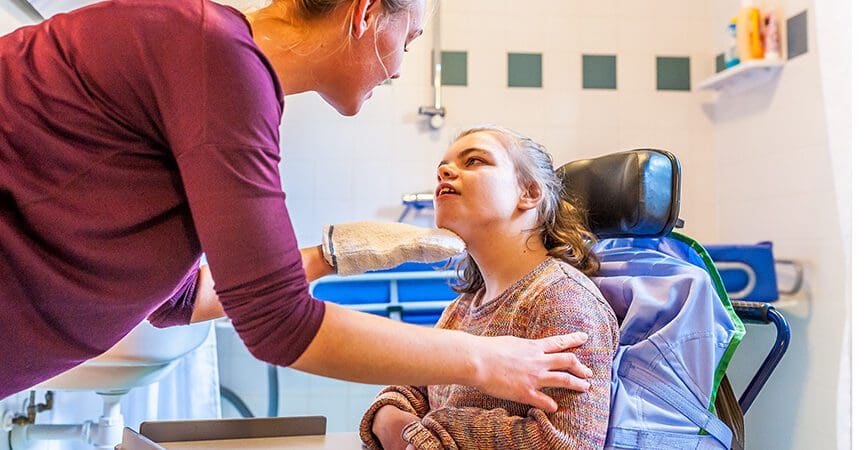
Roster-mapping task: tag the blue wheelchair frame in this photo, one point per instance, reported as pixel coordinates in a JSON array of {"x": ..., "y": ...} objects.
[{"x": 763, "y": 313}]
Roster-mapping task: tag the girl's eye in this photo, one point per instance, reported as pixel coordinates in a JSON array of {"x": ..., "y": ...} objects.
[{"x": 472, "y": 161}]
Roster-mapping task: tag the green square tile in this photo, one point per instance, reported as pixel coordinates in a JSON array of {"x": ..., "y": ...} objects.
[
  {"x": 454, "y": 69},
  {"x": 720, "y": 62},
  {"x": 798, "y": 35},
  {"x": 599, "y": 71},
  {"x": 524, "y": 70},
  {"x": 673, "y": 73}
]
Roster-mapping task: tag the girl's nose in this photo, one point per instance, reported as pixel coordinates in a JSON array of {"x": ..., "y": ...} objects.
[{"x": 445, "y": 172}]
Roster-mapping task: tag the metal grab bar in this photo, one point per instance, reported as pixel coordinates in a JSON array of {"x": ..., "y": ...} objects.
[
  {"x": 436, "y": 113},
  {"x": 755, "y": 312},
  {"x": 798, "y": 275}
]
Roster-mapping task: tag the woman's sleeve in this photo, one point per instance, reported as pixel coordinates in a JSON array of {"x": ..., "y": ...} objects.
[
  {"x": 225, "y": 141},
  {"x": 581, "y": 421},
  {"x": 411, "y": 399}
]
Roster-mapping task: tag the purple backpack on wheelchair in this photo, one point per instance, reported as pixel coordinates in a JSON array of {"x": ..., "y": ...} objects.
[{"x": 677, "y": 337}]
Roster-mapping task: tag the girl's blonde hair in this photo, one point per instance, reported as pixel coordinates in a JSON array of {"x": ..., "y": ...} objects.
[{"x": 561, "y": 220}]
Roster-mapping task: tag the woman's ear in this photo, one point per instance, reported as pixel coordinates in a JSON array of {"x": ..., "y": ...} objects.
[
  {"x": 530, "y": 197},
  {"x": 361, "y": 17}
]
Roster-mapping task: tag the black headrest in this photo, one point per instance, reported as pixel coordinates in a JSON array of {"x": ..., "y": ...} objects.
[{"x": 628, "y": 194}]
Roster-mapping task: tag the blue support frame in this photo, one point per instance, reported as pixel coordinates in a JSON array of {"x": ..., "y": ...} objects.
[{"x": 763, "y": 313}]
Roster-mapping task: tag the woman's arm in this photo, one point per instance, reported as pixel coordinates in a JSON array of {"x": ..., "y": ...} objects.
[
  {"x": 361, "y": 347},
  {"x": 207, "y": 302},
  {"x": 369, "y": 349},
  {"x": 314, "y": 263}
]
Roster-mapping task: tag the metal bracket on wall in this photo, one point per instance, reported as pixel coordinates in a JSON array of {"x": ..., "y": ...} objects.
[
  {"x": 798, "y": 275},
  {"x": 436, "y": 113}
]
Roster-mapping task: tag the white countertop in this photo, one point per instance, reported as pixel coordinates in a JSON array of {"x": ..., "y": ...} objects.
[{"x": 332, "y": 441}]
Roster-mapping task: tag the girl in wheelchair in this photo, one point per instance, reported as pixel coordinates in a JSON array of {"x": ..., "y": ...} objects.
[{"x": 525, "y": 274}]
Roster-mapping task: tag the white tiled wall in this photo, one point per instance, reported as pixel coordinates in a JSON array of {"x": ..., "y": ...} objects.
[
  {"x": 776, "y": 182},
  {"x": 361, "y": 166}
]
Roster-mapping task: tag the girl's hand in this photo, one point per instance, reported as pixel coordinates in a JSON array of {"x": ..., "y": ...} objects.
[{"x": 388, "y": 427}]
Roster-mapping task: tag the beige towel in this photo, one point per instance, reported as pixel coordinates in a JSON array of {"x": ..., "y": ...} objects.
[{"x": 358, "y": 247}]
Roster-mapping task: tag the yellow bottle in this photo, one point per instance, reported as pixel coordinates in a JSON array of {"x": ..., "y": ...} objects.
[{"x": 750, "y": 44}]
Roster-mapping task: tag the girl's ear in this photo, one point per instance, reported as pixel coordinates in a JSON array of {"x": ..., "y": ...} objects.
[
  {"x": 361, "y": 17},
  {"x": 530, "y": 197}
]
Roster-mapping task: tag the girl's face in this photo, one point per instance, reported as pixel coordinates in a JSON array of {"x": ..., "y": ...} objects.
[
  {"x": 372, "y": 58},
  {"x": 478, "y": 187}
]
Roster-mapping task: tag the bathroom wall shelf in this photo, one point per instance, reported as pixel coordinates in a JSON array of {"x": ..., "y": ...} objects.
[{"x": 743, "y": 76}]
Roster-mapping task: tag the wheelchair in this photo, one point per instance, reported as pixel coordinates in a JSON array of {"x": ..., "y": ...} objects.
[{"x": 632, "y": 200}]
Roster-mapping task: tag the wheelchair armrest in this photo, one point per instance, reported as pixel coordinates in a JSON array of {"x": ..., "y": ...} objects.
[{"x": 763, "y": 313}]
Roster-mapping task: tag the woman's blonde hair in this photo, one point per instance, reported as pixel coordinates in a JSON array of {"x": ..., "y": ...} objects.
[
  {"x": 315, "y": 9},
  {"x": 296, "y": 12},
  {"x": 311, "y": 9},
  {"x": 561, "y": 220}
]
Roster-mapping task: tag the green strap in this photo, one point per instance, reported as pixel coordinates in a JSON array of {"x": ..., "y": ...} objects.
[{"x": 739, "y": 328}]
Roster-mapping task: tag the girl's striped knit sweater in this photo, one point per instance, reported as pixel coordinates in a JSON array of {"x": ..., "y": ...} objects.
[{"x": 554, "y": 298}]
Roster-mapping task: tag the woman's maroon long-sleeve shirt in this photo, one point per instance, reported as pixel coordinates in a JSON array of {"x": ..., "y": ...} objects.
[{"x": 135, "y": 134}]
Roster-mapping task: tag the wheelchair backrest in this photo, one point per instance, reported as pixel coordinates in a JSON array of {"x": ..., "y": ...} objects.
[
  {"x": 678, "y": 330},
  {"x": 635, "y": 193}
]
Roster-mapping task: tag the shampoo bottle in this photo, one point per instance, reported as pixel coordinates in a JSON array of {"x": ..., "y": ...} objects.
[
  {"x": 772, "y": 41},
  {"x": 732, "y": 58},
  {"x": 749, "y": 42}
]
